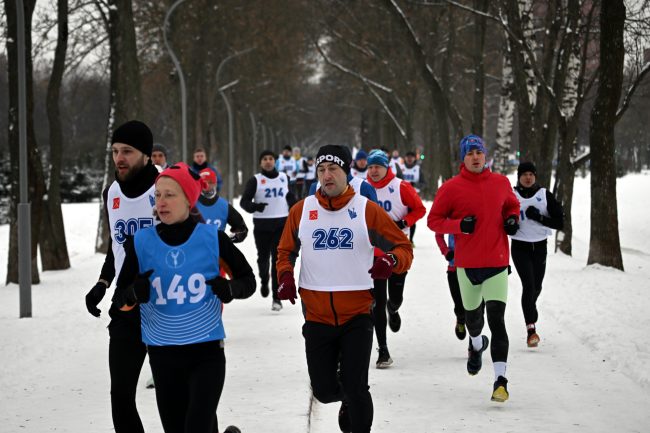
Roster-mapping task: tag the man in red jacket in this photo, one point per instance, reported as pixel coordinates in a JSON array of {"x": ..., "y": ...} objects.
[{"x": 479, "y": 208}]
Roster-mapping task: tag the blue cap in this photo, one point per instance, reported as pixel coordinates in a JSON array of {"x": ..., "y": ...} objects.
[
  {"x": 361, "y": 154},
  {"x": 378, "y": 157},
  {"x": 471, "y": 142}
]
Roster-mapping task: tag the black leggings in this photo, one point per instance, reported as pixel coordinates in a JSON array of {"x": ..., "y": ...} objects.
[
  {"x": 351, "y": 345},
  {"x": 530, "y": 261},
  {"x": 395, "y": 286},
  {"x": 125, "y": 359},
  {"x": 495, "y": 315},
  {"x": 189, "y": 380},
  {"x": 411, "y": 233},
  {"x": 454, "y": 289},
  {"x": 267, "y": 249}
]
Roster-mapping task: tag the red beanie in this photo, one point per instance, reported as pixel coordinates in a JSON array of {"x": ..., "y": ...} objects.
[{"x": 190, "y": 182}]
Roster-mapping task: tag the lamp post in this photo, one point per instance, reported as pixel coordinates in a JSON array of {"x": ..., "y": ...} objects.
[
  {"x": 231, "y": 143},
  {"x": 181, "y": 78},
  {"x": 24, "y": 208}
]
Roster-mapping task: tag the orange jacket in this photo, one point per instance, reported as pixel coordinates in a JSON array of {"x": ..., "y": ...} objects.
[{"x": 336, "y": 308}]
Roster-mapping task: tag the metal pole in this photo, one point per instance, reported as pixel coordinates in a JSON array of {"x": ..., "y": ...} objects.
[
  {"x": 231, "y": 150},
  {"x": 254, "y": 127},
  {"x": 24, "y": 217},
  {"x": 181, "y": 77}
]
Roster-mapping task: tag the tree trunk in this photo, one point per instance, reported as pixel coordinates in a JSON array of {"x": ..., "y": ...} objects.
[
  {"x": 604, "y": 243},
  {"x": 36, "y": 187},
  {"x": 479, "y": 75},
  {"x": 54, "y": 249},
  {"x": 125, "y": 95},
  {"x": 506, "y": 117}
]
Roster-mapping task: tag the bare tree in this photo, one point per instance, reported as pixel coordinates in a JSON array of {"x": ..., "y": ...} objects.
[
  {"x": 35, "y": 167},
  {"x": 125, "y": 96},
  {"x": 604, "y": 242},
  {"x": 54, "y": 249}
]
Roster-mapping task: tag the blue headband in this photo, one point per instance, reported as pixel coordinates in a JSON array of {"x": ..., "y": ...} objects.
[{"x": 471, "y": 142}]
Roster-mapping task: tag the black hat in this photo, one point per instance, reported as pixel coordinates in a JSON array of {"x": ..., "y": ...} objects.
[
  {"x": 526, "y": 167},
  {"x": 339, "y": 155},
  {"x": 157, "y": 147},
  {"x": 136, "y": 134},
  {"x": 267, "y": 152}
]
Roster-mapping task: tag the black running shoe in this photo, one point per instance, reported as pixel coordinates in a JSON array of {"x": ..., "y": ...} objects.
[
  {"x": 460, "y": 330},
  {"x": 474, "y": 357},
  {"x": 394, "y": 320},
  {"x": 383, "y": 360},
  {"x": 344, "y": 418},
  {"x": 500, "y": 391}
]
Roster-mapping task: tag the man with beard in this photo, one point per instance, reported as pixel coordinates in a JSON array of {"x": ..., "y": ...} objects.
[
  {"x": 267, "y": 196},
  {"x": 129, "y": 203}
]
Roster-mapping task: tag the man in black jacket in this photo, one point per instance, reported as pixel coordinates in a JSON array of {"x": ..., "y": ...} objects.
[
  {"x": 268, "y": 198},
  {"x": 540, "y": 212},
  {"x": 129, "y": 203}
]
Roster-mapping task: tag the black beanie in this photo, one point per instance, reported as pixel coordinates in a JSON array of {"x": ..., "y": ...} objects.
[
  {"x": 339, "y": 155},
  {"x": 136, "y": 134},
  {"x": 526, "y": 167},
  {"x": 266, "y": 152}
]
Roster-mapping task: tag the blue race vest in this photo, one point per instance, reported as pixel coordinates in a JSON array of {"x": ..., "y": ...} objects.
[
  {"x": 216, "y": 214},
  {"x": 182, "y": 308}
]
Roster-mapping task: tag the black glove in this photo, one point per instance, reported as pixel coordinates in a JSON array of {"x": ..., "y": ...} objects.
[
  {"x": 449, "y": 256},
  {"x": 401, "y": 224},
  {"x": 237, "y": 237},
  {"x": 140, "y": 291},
  {"x": 532, "y": 213},
  {"x": 467, "y": 224},
  {"x": 510, "y": 225},
  {"x": 94, "y": 297},
  {"x": 259, "y": 207},
  {"x": 221, "y": 287}
]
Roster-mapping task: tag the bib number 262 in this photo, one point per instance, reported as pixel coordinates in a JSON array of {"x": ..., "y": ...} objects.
[{"x": 333, "y": 239}]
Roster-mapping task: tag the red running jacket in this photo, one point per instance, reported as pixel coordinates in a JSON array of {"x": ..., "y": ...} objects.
[{"x": 487, "y": 196}]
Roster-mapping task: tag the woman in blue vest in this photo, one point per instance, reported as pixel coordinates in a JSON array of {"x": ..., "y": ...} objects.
[{"x": 172, "y": 271}]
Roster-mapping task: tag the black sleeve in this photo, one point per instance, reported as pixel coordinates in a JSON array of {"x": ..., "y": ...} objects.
[
  {"x": 108, "y": 269},
  {"x": 246, "y": 201},
  {"x": 556, "y": 218},
  {"x": 129, "y": 271},
  {"x": 291, "y": 199},
  {"x": 243, "y": 278},
  {"x": 235, "y": 220}
]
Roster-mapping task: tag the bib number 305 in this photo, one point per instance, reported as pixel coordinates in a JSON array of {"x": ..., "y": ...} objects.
[
  {"x": 195, "y": 288},
  {"x": 333, "y": 239}
]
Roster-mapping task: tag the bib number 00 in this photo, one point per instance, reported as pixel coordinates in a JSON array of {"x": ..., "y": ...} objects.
[{"x": 195, "y": 287}]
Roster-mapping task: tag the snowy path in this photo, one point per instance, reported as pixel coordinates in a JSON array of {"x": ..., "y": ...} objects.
[{"x": 588, "y": 375}]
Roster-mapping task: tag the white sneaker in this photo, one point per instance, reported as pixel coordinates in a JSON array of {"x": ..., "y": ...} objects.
[{"x": 276, "y": 305}]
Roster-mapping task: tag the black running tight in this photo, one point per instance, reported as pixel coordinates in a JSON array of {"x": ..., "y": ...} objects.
[
  {"x": 189, "y": 380},
  {"x": 495, "y": 315},
  {"x": 395, "y": 286}
]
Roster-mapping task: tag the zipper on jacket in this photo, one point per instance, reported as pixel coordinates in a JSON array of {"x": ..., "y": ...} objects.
[{"x": 336, "y": 317}]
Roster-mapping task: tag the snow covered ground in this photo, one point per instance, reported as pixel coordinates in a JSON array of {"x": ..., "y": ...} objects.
[{"x": 589, "y": 374}]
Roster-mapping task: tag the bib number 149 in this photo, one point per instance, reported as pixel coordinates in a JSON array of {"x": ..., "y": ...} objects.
[{"x": 195, "y": 290}]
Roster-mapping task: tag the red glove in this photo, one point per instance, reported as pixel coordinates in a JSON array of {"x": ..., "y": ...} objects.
[
  {"x": 382, "y": 268},
  {"x": 287, "y": 288}
]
